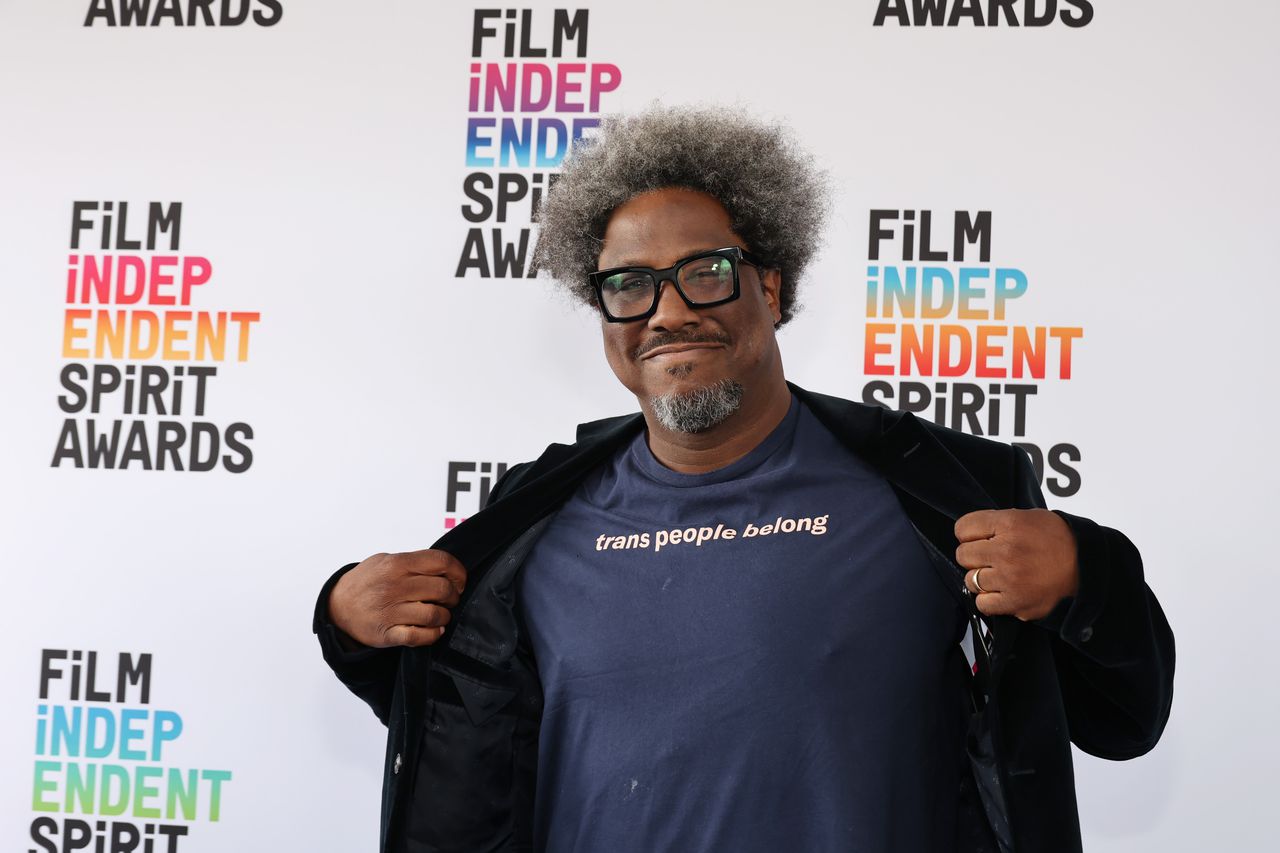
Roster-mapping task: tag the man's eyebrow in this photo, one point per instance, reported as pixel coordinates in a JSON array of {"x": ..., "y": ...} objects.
[{"x": 636, "y": 262}]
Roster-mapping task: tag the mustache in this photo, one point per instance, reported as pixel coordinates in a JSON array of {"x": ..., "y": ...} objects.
[{"x": 663, "y": 339}]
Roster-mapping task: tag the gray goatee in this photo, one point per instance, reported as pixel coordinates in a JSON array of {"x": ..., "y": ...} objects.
[{"x": 698, "y": 410}]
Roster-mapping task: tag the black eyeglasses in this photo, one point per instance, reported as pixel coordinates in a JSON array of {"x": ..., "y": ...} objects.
[{"x": 702, "y": 280}]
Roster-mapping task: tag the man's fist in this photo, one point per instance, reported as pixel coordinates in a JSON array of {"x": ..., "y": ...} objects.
[
  {"x": 1021, "y": 562},
  {"x": 398, "y": 599}
]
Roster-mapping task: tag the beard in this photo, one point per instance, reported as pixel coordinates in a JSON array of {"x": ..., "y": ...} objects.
[{"x": 700, "y": 409}]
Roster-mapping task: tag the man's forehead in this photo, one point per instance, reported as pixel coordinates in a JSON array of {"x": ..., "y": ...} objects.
[
  {"x": 661, "y": 227},
  {"x": 670, "y": 195},
  {"x": 647, "y": 260}
]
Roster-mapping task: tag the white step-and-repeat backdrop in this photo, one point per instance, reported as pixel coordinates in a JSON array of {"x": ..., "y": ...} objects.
[{"x": 269, "y": 308}]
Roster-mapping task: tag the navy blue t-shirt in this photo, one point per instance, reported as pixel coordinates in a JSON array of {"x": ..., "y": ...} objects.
[{"x": 759, "y": 658}]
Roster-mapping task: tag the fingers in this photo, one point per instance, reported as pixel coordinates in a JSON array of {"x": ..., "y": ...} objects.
[
  {"x": 398, "y": 599},
  {"x": 983, "y": 584},
  {"x": 413, "y": 635},
  {"x": 419, "y": 615},
  {"x": 416, "y": 624},
  {"x": 977, "y": 553},
  {"x": 994, "y": 599},
  {"x": 987, "y": 594},
  {"x": 1027, "y": 558},
  {"x": 994, "y": 603},
  {"x": 1005, "y": 604},
  {"x": 432, "y": 589},
  {"x": 438, "y": 563},
  {"x": 982, "y": 524}
]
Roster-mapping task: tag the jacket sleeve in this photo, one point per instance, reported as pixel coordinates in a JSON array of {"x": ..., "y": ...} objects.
[
  {"x": 1112, "y": 645},
  {"x": 369, "y": 672}
]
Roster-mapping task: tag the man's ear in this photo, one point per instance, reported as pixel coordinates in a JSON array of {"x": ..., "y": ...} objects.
[{"x": 771, "y": 284}]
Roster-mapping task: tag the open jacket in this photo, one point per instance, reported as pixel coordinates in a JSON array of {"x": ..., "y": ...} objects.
[{"x": 463, "y": 715}]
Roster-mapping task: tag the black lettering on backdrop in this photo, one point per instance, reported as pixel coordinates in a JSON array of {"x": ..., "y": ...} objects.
[
  {"x": 958, "y": 405},
  {"x": 160, "y": 218},
  {"x": 998, "y": 7},
  {"x": 966, "y": 229},
  {"x": 508, "y": 257},
  {"x": 120, "y": 444},
  {"x": 1083, "y": 15},
  {"x": 158, "y": 391},
  {"x": 143, "y": 13},
  {"x": 489, "y": 473},
  {"x": 966, "y": 8},
  {"x": 563, "y": 29},
  {"x": 511, "y": 187},
  {"x": 933, "y": 13},
  {"x": 116, "y": 836},
  {"x": 81, "y": 675}
]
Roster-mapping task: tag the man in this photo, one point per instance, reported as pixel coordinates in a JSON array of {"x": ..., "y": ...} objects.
[{"x": 739, "y": 620}]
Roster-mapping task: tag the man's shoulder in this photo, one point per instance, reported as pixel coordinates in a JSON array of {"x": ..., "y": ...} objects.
[
  {"x": 873, "y": 422},
  {"x": 608, "y": 427},
  {"x": 965, "y": 445},
  {"x": 878, "y": 432},
  {"x": 593, "y": 439}
]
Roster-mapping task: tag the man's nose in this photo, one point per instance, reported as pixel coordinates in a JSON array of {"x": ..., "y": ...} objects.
[{"x": 672, "y": 312}]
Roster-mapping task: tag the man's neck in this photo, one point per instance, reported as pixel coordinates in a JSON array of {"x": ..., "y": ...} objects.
[{"x": 725, "y": 443}]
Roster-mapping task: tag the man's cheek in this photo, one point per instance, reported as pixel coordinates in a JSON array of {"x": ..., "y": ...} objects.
[{"x": 620, "y": 362}]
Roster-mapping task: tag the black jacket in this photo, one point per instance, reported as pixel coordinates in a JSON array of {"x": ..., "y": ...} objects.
[{"x": 463, "y": 715}]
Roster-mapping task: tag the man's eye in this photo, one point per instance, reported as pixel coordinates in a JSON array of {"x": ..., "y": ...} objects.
[
  {"x": 625, "y": 283},
  {"x": 713, "y": 271}
]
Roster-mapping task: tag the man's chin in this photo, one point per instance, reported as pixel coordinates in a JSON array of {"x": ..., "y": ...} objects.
[
  {"x": 698, "y": 406},
  {"x": 682, "y": 378},
  {"x": 681, "y": 370}
]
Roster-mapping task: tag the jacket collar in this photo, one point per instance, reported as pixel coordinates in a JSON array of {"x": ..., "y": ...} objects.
[
  {"x": 550, "y": 480},
  {"x": 903, "y": 450}
]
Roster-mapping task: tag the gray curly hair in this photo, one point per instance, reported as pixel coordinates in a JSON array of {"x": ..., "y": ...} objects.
[{"x": 775, "y": 195}]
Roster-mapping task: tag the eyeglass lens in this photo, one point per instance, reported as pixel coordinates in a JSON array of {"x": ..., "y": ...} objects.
[{"x": 630, "y": 293}]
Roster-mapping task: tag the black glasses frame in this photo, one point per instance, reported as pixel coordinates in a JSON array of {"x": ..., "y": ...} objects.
[{"x": 735, "y": 254}]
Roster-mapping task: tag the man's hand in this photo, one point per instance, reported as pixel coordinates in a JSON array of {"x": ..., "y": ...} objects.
[
  {"x": 398, "y": 599},
  {"x": 1021, "y": 562}
]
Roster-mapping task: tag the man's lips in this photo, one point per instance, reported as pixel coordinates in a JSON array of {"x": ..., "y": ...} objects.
[
  {"x": 671, "y": 349},
  {"x": 667, "y": 343}
]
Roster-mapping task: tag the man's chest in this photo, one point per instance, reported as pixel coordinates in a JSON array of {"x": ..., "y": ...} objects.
[
  {"x": 791, "y": 585},
  {"x": 813, "y": 650}
]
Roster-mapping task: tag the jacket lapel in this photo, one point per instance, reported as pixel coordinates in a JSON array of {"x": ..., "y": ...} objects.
[
  {"x": 549, "y": 481},
  {"x": 485, "y": 535},
  {"x": 907, "y": 454}
]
